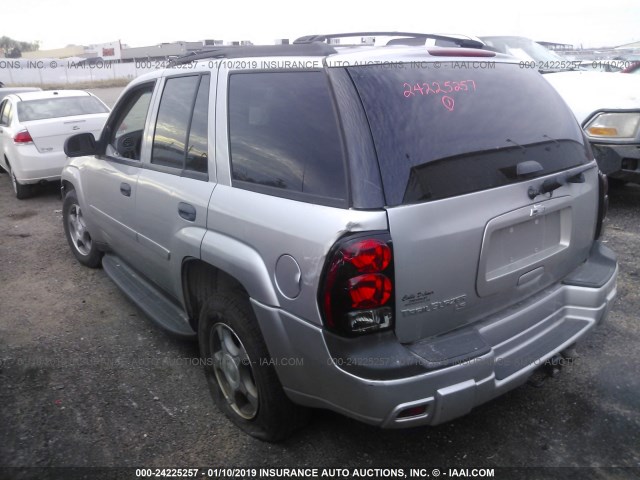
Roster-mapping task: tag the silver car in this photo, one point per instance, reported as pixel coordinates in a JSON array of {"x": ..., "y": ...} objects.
[{"x": 395, "y": 233}]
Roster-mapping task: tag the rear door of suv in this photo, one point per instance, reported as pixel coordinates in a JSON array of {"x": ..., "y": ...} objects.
[
  {"x": 176, "y": 183},
  {"x": 460, "y": 150}
]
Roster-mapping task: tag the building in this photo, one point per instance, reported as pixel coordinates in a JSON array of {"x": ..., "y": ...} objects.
[
  {"x": 111, "y": 51},
  {"x": 66, "y": 52},
  {"x": 161, "y": 51}
]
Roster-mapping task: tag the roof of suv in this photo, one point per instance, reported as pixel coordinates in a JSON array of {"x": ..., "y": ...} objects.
[
  {"x": 315, "y": 46},
  {"x": 350, "y": 55},
  {"x": 331, "y": 55}
]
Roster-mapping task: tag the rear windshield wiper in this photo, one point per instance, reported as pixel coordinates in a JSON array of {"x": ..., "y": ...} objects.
[{"x": 551, "y": 184}]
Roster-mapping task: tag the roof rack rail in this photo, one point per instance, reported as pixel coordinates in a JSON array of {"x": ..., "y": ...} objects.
[
  {"x": 238, "y": 51},
  {"x": 461, "y": 42}
]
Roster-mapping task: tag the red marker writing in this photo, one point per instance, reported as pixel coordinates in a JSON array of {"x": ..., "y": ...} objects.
[{"x": 448, "y": 103}]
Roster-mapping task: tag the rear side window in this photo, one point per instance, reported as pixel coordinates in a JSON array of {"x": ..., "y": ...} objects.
[
  {"x": 180, "y": 138},
  {"x": 441, "y": 132},
  {"x": 197, "y": 146},
  {"x": 284, "y": 137},
  {"x": 42, "y": 109}
]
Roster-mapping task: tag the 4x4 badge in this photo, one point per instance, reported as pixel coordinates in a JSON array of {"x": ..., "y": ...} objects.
[{"x": 537, "y": 210}]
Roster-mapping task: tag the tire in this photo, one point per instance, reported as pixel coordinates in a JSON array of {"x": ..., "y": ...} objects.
[
  {"x": 21, "y": 191},
  {"x": 238, "y": 367},
  {"x": 78, "y": 236}
]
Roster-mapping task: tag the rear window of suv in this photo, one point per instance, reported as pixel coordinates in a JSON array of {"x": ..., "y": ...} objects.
[{"x": 451, "y": 130}]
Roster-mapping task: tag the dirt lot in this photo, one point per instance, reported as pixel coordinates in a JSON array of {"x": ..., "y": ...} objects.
[{"x": 87, "y": 380}]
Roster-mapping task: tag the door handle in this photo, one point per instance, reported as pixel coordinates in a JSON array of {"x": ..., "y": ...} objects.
[
  {"x": 187, "y": 211},
  {"x": 125, "y": 189}
]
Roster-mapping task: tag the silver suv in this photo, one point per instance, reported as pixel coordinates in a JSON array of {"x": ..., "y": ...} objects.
[{"x": 396, "y": 233}]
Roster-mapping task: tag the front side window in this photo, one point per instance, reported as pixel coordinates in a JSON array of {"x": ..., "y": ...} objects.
[
  {"x": 180, "y": 138},
  {"x": 126, "y": 131},
  {"x": 284, "y": 137}
]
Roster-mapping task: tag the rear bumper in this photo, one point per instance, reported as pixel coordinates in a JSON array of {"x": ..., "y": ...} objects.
[
  {"x": 375, "y": 380},
  {"x": 626, "y": 159},
  {"x": 31, "y": 166}
]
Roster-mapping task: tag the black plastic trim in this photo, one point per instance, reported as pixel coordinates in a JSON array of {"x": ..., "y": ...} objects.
[
  {"x": 157, "y": 306},
  {"x": 596, "y": 271},
  {"x": 377, "y": 356},
  {"x": 532, "y": 353},
  {"x": 381, "y": 356}
]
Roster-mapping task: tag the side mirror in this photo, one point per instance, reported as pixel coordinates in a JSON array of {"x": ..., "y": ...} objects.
[{"x": 80, "y": 145}]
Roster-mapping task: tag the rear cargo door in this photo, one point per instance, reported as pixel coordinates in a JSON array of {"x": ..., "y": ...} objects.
[
  {"x": 459, "y": 260},
  {"x": 459, "y": 150}
]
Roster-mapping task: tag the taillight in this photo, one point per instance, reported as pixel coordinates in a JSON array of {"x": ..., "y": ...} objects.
[
  {"x": 357, "y": 291},
  {"x": 603, "y": 202},
  {"x": 22, "y": 138}
]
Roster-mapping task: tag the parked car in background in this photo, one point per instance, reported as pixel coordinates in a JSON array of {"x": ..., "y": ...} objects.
[
  {"x": 34, "y": 127},
  {"x": 4, "y": 91},
  {"x": 603, "y": 65},
  {"x": 373, "y": 230},
  {"x": 607, "y": 105},
  {"x": 634, "y": 68}
]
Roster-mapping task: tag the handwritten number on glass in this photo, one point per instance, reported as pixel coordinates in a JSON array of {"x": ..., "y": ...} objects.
[{"x": 439, "y": 88}]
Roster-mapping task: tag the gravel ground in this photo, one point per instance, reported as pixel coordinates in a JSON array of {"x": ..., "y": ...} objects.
[{"x": 87, "y": 380}]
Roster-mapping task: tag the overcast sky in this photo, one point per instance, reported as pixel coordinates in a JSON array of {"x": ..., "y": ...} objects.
[{"x": 591, "y": 23}]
